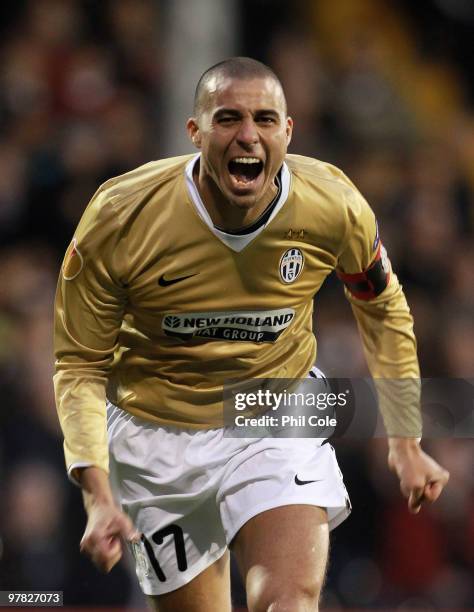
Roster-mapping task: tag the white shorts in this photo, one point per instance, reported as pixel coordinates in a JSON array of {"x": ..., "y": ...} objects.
[{"x": 189, "y": 492}]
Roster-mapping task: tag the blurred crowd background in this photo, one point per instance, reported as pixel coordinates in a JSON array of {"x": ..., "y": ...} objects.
[{"x": 384, "y": 89}]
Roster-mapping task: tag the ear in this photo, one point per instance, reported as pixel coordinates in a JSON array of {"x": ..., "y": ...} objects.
[
  {"x": 194, "y": 132},
  {"x": 289, "y": 129}
]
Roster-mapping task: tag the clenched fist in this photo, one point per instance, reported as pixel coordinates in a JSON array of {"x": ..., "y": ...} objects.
[
  {"x": 107, "y": 526},
  {"x": 421, "y": 478}
]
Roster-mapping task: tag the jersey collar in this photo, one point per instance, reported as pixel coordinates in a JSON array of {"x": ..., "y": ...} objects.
[{"x": 236, "y": 242}]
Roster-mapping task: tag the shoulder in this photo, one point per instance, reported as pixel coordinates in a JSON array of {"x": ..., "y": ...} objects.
[
  {"x": 327, "y": 182},
  {"x": 130, "y": 189},
  {"x": 312, "y": 168},
  {"x": 118, "y": 202}
]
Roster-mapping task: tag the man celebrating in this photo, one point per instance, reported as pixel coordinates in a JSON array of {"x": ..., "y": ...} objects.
[{"x": 193, "y": 270}]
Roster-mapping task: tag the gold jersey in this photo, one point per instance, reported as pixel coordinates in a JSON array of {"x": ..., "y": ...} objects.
[{"x": 156, "y": 307}]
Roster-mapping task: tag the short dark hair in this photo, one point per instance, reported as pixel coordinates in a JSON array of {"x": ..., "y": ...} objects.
[{"x": 235, "y": 67}]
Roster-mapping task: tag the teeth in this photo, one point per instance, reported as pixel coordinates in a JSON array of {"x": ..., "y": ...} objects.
[{"x": 246, "y": 160}]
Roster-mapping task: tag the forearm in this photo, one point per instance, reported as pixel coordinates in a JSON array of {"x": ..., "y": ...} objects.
[
  {"x": 95, "y": 486},
  {"x": 402, "y": 450},
  {"x": 396, "y": 444},
  {"x": 81, "y": 405},
  {"x": 386, "y": 329},
  {"x": 89, "y": 310}
]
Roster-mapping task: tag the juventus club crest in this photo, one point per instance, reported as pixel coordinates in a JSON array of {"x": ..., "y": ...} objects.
[{"x": 291, "y": 265}]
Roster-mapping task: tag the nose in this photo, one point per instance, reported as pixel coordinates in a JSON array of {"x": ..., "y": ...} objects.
[{"x": 248, "y": 133}]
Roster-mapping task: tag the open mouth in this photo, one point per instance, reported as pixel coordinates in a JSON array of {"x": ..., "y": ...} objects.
[{"x": 245, "y": 169}]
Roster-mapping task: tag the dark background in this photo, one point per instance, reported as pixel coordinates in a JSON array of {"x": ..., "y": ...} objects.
[{"x": 383, "y": 89}]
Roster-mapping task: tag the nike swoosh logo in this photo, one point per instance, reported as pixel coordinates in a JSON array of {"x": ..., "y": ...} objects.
[
  {"x": 304, "y": 482},
  {"x": 166, "y": 283}
]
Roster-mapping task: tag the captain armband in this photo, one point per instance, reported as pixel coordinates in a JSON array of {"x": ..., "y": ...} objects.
[{"x": 370, "y": 283}]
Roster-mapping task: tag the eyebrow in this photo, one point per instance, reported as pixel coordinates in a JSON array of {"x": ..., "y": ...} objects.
[
  {"x": 226, "y": 111},
  {"x": 236, "y": 113},
  {"x": 268, "y": 111}
]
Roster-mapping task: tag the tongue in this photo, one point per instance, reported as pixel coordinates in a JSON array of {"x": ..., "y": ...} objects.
[
  {"x": 242, "y": 178},
  {"x": 244, "y": 173}
]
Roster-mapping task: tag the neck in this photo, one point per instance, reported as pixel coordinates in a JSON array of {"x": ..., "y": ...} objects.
[{"x": 226, "y": 214}]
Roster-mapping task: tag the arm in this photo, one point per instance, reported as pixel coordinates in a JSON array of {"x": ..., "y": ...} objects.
[
  {"x": 107, "y": 525},
  {"x": 88, "y": 313},
  {"x": 386, "y": 329}
]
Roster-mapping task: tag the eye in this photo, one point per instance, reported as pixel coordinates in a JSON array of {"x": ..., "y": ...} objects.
[
  {"x": 267, "y": 119},
  {"x": 226, "y": 120}
]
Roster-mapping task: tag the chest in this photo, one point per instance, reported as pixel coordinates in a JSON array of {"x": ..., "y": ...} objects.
[{"x": 197, "y": 272}]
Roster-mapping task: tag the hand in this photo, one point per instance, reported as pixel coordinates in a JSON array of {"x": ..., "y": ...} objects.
[
  {"x": 107, "y": 526},
  {"x": 421, "y": 478}
]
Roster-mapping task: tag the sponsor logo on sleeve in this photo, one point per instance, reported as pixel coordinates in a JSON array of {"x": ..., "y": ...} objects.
[
  {"x": 73, "y": 261},
  {"x": 239, "y": 326}
]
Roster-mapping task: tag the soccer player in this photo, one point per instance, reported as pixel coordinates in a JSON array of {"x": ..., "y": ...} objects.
[{"x": 189, "y": 271}]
